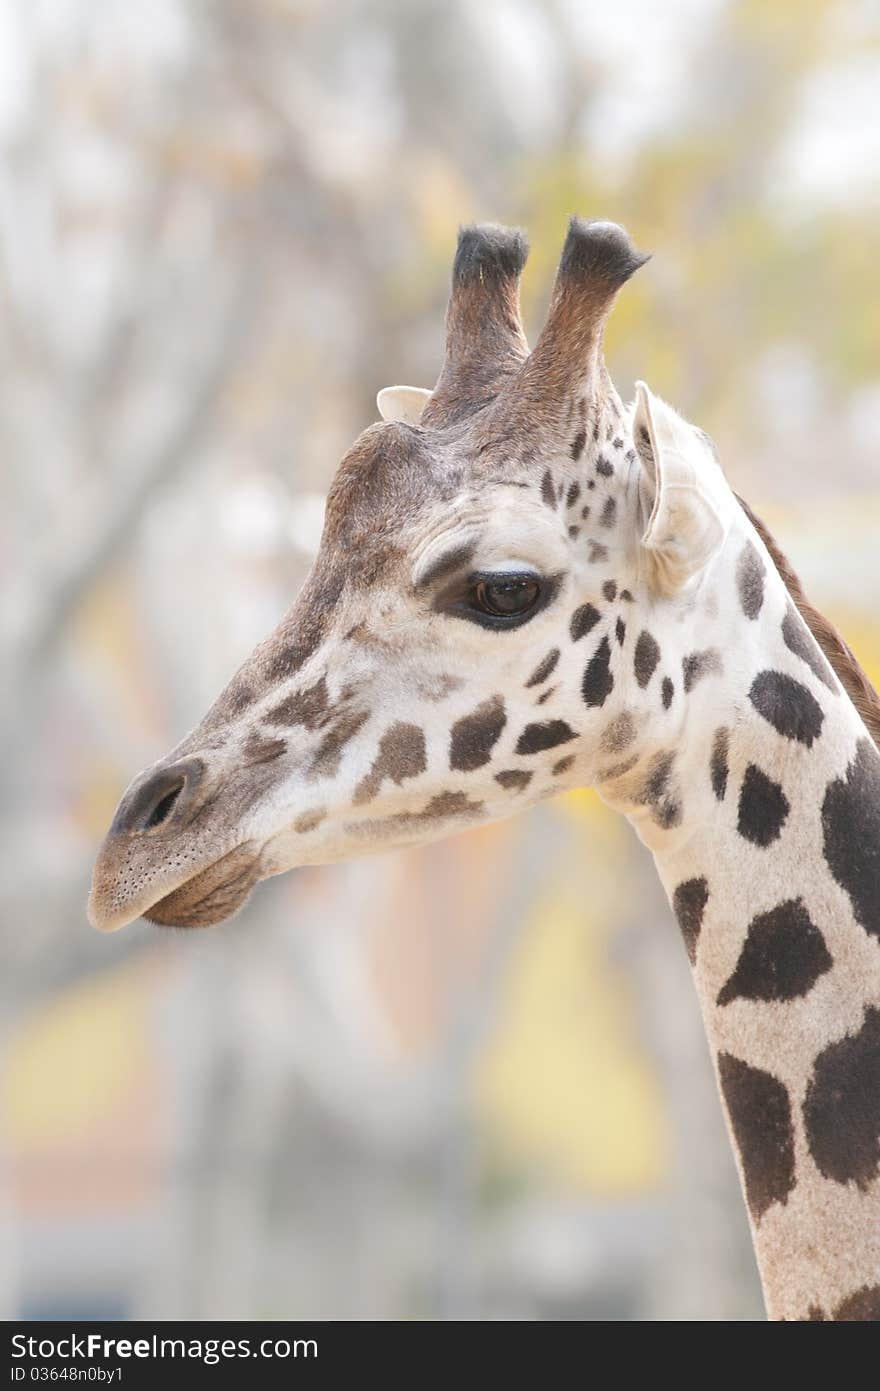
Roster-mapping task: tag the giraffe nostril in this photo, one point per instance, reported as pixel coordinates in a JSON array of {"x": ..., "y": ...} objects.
[
  {"x": 164, "y": 807},
  {"x": 162, "y": 797}
]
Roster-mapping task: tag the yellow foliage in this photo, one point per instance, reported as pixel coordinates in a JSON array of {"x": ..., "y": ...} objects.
[
  {"x": 75, "y": 1058},
  {"x": 564, "y": 1079}
]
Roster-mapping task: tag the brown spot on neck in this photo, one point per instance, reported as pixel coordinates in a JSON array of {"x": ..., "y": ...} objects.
[
  {"x": 759, "y": 1108},
  {"x": 514, "y": 779},
  {"x": 840, "y": 656}
]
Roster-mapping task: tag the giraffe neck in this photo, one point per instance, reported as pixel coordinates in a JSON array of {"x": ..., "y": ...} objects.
[{"x": 774, "y": 875}]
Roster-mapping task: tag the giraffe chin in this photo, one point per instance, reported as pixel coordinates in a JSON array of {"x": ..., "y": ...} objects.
[{"x": 211, "y": 896}]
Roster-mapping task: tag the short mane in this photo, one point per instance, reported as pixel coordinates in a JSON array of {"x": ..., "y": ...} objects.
[{"x": 841, "y": 656}]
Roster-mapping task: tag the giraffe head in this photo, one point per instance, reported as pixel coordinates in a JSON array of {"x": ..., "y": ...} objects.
[{"x": 480, "y": 628}]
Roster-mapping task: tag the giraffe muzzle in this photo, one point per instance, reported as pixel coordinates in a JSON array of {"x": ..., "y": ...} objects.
[{"x": 168, "y": 855}]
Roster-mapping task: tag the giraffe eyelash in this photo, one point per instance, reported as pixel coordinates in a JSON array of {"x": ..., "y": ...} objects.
[{"x": 461, "y": 601}]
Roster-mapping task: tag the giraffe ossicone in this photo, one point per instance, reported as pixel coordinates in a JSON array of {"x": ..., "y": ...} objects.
[{"x": 522, "y": 587}]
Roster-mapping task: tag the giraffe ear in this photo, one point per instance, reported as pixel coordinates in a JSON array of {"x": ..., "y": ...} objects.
[
  {"x": 682, "y": 494},
  {"x": 404, "y": 403}
]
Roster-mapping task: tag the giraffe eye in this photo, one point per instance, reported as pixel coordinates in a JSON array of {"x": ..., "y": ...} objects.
[
  {"x": 506, "y": 596},
  {"x": 499, "y": 599}
]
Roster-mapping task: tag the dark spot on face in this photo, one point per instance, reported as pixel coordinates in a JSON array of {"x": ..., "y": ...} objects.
[
  {"x": 545, "y": 695},
  {"x": 544, "y": 668},
  {"x": 699, "y": 664},
  {"x": 309, "y": 820},
  {"x": 783, "y": 956},
  {"x": 689, "y": 903},
  {"x": 750, "y": 580},
  {"x": 514, "y": 779},
  {"x": 366, "y": 636},
  {"x": 861, "y": 1307},
  {"x": 563, "y": 766},
  {"x": 548, "y": 492},
  {"x": 598, "y": 682},
  {"x": 535, "y": 738},
  {"x": 617, "y": 770},
  {"x": 760, "y": 1116},
  {"x": 450, "y": 804},
  {"x": 851, "y": 831},
  {"x": 667, "y": 692},
  {"x": 619, "y": 734},
  {"x": 582, "y": 620},
  {"x": 585, "y": 512},
  {"x": 326, "y": 760},
  {"x": 573, "y": 533},
  {"x": 604, "y": 466},
  {"x": 591, "y": 483},
  {"x": 658, "y": 776},
  {"x": 608, "y": 515},
  {"x": 645, "y": 658},
  {"x": 842, "y": 1106},
  {"x": 791, "y": 709},
  {"x": 306, "y": 707},
  {"x": 444, "y": 807},
  {"x": 260, "y": 750},
  {"x": 718, "y": 766},
  {"x": 577, "y": 444},
  {"x": 667, "y": 813},
  {"x": 574, "y": 492},
  {"x": 620, "y": 631},
  {"x": 799, "y": 640},
  {"x": 626, "y": 596},
  {"x": 473, "y": 737},
  {"x": 448, "y": 564},
  {"x": 656, "y": 792},
  {"x": 597, "y": 553},
  {"x": 763, "y": 807},
  {"x": 401, "y": 755},
  {"x": 437, "y": 688},
  {"x": 609, "y": 589},
  {"x": 617, "y": 442}
]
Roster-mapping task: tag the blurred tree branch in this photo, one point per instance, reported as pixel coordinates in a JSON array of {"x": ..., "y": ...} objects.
[{"x": 202, "y": 401}]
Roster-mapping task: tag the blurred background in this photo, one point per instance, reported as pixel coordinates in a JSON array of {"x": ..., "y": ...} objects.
[{"x": 469, "y": 1080}]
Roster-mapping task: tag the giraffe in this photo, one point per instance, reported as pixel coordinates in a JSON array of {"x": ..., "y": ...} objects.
[{"x": 525, "y": 587}]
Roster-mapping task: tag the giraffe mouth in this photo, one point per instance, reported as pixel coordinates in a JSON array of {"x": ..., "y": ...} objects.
[{"x": 212, "y": 895}]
